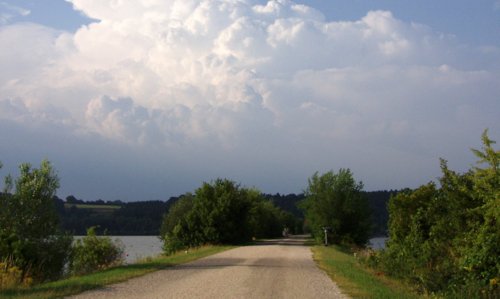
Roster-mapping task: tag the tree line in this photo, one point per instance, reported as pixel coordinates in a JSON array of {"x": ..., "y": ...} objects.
[
  {"x": 223, "y": 212},
  {"x": 125, "y": 218},
  {"x": 145, "y": 217}
]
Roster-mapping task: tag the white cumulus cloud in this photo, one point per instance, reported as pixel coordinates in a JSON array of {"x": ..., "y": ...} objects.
[{"x": 273, "y": 83}]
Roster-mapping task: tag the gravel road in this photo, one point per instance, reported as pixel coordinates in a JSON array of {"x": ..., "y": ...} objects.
[{"x": 281, "y": 268}]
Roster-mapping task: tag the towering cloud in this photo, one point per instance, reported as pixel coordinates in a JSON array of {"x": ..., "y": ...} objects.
[{"x": 272, "y": 83}]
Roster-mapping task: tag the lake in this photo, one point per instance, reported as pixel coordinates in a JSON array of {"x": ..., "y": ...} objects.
[
  {"x": 377, "y": 243},
  {"x": 138, "y": 247}
]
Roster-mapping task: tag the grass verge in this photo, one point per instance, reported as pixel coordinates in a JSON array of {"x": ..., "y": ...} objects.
[
  {"x": 78, "y": 284},
  {"x": 356, "y": 280}
]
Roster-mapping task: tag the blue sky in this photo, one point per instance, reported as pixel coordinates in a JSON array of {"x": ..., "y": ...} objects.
[
  {"x": 140, "y": 100},
  {"x": 475, "y": 22}
]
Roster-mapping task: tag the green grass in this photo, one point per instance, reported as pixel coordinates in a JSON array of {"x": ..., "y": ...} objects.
[
  {"x": 356, "y": 280},
  {"x": 78, "y": 284}
]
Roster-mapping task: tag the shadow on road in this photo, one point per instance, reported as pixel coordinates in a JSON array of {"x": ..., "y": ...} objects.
[
  {"x": 216, "y": 263},
  {"x": 292, "y": 240},
  {"x": 259, "y": 262}
]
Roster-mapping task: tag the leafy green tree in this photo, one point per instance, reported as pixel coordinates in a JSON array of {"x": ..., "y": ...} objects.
[
  {"x": 174, "y": 226},
  {"x": 481, "y": 256},
  {"x": 420, "y": 230},
  {"x": 335, "y": 200},
  {"x": 176, "y": 214},
  {"x": 218, "y": 213},
  {"x": 221, "y": 212},
  {"x": 446, "y": 239},
  {"x": 266, "y": 220},
  {"x": 29, "y": 233}
]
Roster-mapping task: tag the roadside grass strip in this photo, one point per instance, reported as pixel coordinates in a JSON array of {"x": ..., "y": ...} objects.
[
  {"x": 356, "y": 280},
  {"x": 79, "y": 284}
]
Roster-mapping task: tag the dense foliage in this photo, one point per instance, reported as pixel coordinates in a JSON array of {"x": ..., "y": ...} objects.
[
  {"x": 336, "y": 201},
  {"x": 93, "y": 253},
  {"x": 377, "y": 201},
  {"x": 447, "y": 239},
  {"x": 221, "y": 212},
  {"x": 29, "y": 236}
]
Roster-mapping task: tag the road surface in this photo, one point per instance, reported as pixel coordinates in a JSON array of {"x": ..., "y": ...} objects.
[{"x": 281, "y": 268}]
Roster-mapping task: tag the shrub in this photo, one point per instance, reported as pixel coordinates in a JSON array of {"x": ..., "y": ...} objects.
[
  {"x": 93, "y": 253},
  {"x": 12, "y": 276},
  {"x": 29, "y": 235},
  {"x": 445, "y": 240},
  {"x": 172, "y": 242}
]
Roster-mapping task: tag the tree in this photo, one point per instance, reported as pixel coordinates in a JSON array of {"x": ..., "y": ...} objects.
[
  {"x": 29, "y": 234},
  {"x": 176, "y": 213},
  {"x": 174, "y": 225},
  {"x": 480, "y": 256},
  {"x": 220, "y": 212},
  {"x": 446, "y": 239},
  {"x": 335, "y": 200}
]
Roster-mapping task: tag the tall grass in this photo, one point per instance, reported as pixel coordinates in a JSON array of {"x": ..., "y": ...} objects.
[
  {"x": 78, "y": 284},
  {"x": 356, "y": 280}
]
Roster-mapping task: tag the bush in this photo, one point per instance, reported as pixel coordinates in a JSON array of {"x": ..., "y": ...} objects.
[
  {"x": 46, "y": 258},
  {"x": 93, "y": 253},
  {"x": 172, "y": 241},
  {"x": 445, "y": 240},
  {"x": 29, "y": 235}
]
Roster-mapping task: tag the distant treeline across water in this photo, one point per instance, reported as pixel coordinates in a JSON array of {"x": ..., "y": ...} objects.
[{"x": 144, "y": 218}]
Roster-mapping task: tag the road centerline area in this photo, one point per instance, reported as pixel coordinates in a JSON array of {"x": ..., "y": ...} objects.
[{"x": 281, "y": 268}]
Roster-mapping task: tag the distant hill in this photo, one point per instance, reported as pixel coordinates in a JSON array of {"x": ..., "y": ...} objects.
[{"x": 114, "y": 218}]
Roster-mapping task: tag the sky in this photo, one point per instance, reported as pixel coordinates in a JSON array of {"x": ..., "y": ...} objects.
[{"x": 147, "y": 99}]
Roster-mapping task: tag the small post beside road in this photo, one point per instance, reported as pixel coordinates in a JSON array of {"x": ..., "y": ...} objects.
[{"x": 326, "y": 229}]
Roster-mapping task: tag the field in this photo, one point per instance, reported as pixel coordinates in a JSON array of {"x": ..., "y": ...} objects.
[{"x": 93, "y": 207}]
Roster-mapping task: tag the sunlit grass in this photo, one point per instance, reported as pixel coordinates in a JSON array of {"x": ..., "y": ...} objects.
[
  {"x": 356, "y": 280},
  {"x": 78, "y": 284},
  {"x": 91, "y": 206}
]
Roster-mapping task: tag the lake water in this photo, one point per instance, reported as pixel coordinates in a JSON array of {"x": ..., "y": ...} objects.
[
  {"x": 138, "y": 247},
  {"x": 377, "y": 243}
]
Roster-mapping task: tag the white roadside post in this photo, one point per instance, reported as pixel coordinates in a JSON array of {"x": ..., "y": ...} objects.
[{"x": 326, "y": 229}]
